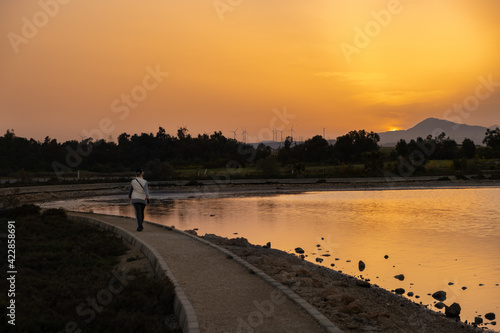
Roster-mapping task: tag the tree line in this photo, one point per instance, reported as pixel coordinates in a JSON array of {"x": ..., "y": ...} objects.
[{"x": 162, "y": 153}]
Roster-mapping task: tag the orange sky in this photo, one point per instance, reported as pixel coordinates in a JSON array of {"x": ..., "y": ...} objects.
[{"x": 70, "y": 68}]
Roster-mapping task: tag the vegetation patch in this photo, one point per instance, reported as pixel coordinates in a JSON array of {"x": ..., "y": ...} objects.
[{"x": 67, "y": 279}]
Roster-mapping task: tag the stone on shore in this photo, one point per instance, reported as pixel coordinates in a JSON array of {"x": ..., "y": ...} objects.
[
  {"x": 478, "y": 320},
  {"x": 490, "y": 316},
  {"x": 361, "y": 266},
  {"x": 363, "y": 284},
  {"x": 400, "y": 291},
  {"x": 439, "y": 295},
  {"x": 299, "y": 250},
  {"x": 439, "y": 305},
  {"x": 400, "y": 277},
  {"x": 453, "y": 311}
]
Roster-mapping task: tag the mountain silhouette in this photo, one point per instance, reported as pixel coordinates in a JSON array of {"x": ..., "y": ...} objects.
[{"x": 434, "y": 127}]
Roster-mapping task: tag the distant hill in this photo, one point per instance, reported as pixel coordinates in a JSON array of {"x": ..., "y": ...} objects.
[{"x": 434, "y": 126}]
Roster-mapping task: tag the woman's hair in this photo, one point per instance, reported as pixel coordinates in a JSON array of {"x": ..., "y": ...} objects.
[{"x": 138, "y": 172}]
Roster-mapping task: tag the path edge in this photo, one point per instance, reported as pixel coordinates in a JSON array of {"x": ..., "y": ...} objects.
[
  {"x": 302, "y": 303},
  {"x": 183, "y": 308}
]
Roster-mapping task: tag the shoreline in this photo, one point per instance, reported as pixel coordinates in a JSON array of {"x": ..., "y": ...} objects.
[{"x": 11, "y": 196}]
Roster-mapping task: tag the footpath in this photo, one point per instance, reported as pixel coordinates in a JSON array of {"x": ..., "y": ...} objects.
[{"x": 216, "y": 291}]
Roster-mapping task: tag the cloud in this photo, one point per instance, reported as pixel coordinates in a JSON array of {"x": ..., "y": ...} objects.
[
  {"x": 355, "y": 77},
  {"x": 400, "y": 97}
]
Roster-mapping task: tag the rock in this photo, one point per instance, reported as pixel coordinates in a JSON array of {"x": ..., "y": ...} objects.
[
  {"x": 399, "y": 291},
  {"x": 410, "y": 294},
  {"x": 478, "y": 320},
  {"x": 347, "y": 261},
  {"x": 325, "y": 255},
  {"x": 481, "y": 284},
  {"x": 353, "y": 308},
  {"x": 400, "y": 277},
  {"x": 347, "y": 299},
  {"x": 463, "y": 288},
  {"x": 240, "y": 241},
  {"x": 337, "y": 259},
  {"x": 191, "y": 232},
  {"x": 317, "y": 245},
  {"x": 267, "y": 246},
  {"x": 303, "y": 273},
  {"x": 450, "y": 283},
  {"x": 361, "y": 266},
  {"x": 386, "y": 256},
  {"x": 490, "y": 316},
  {"x": 439, "y": 295},
  {"x": 439, "y": 305},
  {"x": 363, "y": 284},
  {"x": 333, "y": 265},
  {"x": 299, "y": 250},
  {"x": 320, "y": 260}
]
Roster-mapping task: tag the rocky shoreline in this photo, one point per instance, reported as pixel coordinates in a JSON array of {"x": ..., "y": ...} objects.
[{"x": 354, "y": 305}]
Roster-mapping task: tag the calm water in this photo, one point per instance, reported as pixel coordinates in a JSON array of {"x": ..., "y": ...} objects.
[{"x": 440, "y": 239}]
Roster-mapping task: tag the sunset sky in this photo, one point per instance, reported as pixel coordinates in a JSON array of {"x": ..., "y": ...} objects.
[{"x": 70, "y": 68}]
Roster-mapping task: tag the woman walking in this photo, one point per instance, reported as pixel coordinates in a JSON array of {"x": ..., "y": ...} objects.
[{"x": 139, "y": 196}]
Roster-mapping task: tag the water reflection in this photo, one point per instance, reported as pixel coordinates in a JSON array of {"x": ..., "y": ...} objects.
[{"x": 442, "y": 239}]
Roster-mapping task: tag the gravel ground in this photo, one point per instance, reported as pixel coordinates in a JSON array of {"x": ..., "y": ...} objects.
[{"x": 352, "y": 304}]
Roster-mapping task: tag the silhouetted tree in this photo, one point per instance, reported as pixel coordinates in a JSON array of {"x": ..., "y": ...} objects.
[
  {"x": 468, "y": 148},
  {"x": 492, "y": 139},
  {"x": 349, "y": 147}
]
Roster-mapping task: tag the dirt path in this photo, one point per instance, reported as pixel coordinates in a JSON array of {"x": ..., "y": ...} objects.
[{"x": 226, "y": 296}]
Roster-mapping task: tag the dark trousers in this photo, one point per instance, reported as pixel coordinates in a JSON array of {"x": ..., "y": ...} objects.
[{"x": 139, "y": 213}]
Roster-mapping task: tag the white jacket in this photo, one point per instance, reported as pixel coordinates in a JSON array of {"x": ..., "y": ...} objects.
[{"x": 138, "y": 190}]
